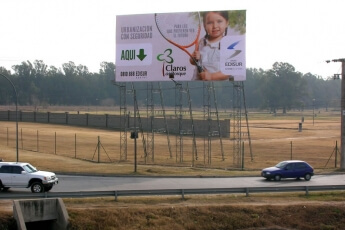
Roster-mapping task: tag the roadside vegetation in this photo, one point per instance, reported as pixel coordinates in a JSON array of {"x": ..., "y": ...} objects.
[{"x": 322, "y": 210}]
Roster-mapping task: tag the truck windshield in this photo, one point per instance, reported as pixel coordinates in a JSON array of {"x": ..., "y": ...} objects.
[{"x": 29, "y": 168}]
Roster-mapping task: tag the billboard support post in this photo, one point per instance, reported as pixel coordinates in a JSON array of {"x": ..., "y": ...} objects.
[{"x": 135, "y": 132}]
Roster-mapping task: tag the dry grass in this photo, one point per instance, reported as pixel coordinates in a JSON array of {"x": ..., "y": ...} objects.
[
  {"x": 7, "y": 221},
  {"x": 324, "y": 210},
  {"x": 276, "y": 211},
  {"x": 272, "y": 138},
  {"x": 212, "y": 217}
]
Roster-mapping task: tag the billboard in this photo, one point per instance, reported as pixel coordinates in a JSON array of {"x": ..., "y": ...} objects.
[{"x": 185, "y": 46}]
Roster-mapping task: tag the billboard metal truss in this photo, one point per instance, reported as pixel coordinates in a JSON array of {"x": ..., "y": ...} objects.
[
  {"x": 123, "y": 122},
  {"x": 179, "y": 91},
  {"x": 151, "y": 92},
  {"x": 208, "y": 92},
  {"x": 237, "y": 124},
  {"x": 183, "y": 100}
]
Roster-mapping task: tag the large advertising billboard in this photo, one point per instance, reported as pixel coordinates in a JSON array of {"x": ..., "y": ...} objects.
[{"x": 185, "y": 46}]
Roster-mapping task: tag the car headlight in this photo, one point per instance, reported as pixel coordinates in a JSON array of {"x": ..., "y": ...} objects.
[
  {"x": 268, "y": 173},
  {"x": 47, "y": 178}
]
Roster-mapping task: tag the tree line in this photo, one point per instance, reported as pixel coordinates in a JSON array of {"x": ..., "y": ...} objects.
[{"x": 280, "y": 88}]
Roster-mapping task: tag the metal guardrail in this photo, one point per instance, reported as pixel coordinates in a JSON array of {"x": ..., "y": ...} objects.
[{"x": 172, "y": 192}]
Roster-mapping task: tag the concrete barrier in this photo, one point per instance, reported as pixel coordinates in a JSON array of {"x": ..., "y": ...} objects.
[{"x": 47, "y": 213}]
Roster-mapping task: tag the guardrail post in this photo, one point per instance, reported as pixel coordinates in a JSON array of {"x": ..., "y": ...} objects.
[
  {"x": 306, "y": 191},
  {"x": 247, "y": 192},
  {"x": 182, "y": 194},
  {"x": 115, "y": 195}
]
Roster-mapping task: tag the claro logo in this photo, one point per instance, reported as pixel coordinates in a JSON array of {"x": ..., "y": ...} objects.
[
  {"x": 175, "y": 68},
  {"x": 170, "y": 70}
]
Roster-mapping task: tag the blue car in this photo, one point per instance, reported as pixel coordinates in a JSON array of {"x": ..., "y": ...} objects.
[{"x": 289, "y": 169}]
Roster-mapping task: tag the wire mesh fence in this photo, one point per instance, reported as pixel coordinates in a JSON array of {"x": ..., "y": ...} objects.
[{"x": 272, "y": 142}]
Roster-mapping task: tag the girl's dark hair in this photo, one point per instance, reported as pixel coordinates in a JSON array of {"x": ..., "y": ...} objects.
[{"x": 224, "y": 14}]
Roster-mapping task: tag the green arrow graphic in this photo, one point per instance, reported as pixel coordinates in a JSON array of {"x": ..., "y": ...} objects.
[{"x": 142, "y": 54}]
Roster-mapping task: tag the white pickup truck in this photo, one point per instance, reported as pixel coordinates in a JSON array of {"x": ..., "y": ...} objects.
[{"x": 24, "y": 175}]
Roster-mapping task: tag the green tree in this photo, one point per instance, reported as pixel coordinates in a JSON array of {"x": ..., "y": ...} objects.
[
  {"x": 283, "y": 87},
  {"x": 321, "y": 92},
  {"x": 253, "y": 88}
]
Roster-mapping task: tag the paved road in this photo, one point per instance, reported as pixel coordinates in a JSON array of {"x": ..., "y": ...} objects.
[{"x": 68, "y": 183}]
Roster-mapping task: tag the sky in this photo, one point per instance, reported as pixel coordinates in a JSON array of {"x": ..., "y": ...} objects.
[{"x": 303, "y": 33}]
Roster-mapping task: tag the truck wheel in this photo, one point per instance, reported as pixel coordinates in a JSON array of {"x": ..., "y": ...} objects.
[
  {"x": 48, "y": 188},
  {"x": 3, "y": 188},
  {"x": 37, "y": 187}
]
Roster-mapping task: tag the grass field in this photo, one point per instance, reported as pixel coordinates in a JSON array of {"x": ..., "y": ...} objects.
[{"x": 273, "y": 138}]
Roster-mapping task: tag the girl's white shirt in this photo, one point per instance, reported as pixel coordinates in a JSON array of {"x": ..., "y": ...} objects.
[{"x": 210, "y": 56}]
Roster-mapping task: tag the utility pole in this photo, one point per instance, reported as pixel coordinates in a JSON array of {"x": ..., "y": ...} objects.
[{"x": 342, "y": 147}]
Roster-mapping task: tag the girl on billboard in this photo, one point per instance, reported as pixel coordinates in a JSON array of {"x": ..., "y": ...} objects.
[{"x": 208, "y": 55}]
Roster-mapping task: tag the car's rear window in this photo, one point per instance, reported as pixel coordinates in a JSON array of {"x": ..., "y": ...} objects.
[
  {"x": 5, "y": 169},
  {"x": 300, "y": 166}
]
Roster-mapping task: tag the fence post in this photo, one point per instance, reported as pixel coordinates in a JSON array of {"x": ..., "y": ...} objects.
[
  {"x": 242, "y": 156},
  {"x": 21, "y": 138},
  {"x": 75, "y": 146},
  {"x": 38, "y": 148},
  {"x": 98, "y": 146},
  {"x": 55, "y": 143},
  {"x": 290, "y": 150},
  {"x": 336, "y": 154},
  {"x": 115, "y": 195}
]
